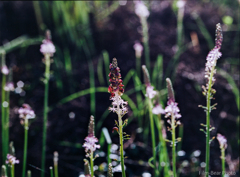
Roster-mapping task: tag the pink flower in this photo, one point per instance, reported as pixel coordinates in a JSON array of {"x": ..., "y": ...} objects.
[
  {"x": 11, "y": 160},
  {"x": 26, "y": 112},
  {"x": 158, "y": 110},
  {"x": 138, "y": 49},
  {"x": 5, "y": 70},
  {"x": 150, "y": 93},
  {"x": 90, "y": 145},
  {"x": 222, "y": 141},
  {"x": 47, "y": 47},
  {"x": 140, "y": 9},
  {"x": 172, "y": 109},
  {"x": 9, "y": 86},
  {"x": 117, "y": 101}
]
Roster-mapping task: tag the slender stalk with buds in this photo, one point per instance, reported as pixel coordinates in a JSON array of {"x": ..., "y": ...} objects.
[
  {"x": 150, "y": 94},
  {"x": 118, "y": 104},
  {"x": 208, "y": 91},
  {"x": 90, "y": 145},
  {"x": 223, "y": 146},
  {"x": 25, "y": 113},
  {"x": 47, "y": 49},
  {"x": 172, "y": 111}
]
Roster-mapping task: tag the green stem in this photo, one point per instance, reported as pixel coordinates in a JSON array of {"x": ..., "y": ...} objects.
[
  {"x": 173, "y": 147},
  {"x": 207, "y": 158},
  {"x": 51, "y": 171},
  {"x": 25, "y": 146},
  {"x": 12, "y": 170},
  {"x": 45, "y": 111},
  {"x": 145, "y": 41},
  {"x": 7, "y": 120},
  {"x": 138, "y": 66},
  {"x": 120, "y": 137},
  {"x": 223, "y": 161},
  {"x": 56, "y": 170},
  {"x": 153, "y": 136},
  {"x": 4, "y": 145},
  {"x": 91, "y": 164}
]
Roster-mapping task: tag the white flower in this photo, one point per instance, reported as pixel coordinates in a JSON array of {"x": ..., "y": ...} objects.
[
  {"x": 26, "y": 112},
  {"x": 118, "y": 101},
  {"x": 222, "y": 141},
  {"x": 150, "y": 93},
  {"x": 138, "y": 49},
  {"x": 9, "y": 86},
  {"x": 47, "y": 47},
  {"x": 90, "y": 145},
  {"x": 141, "y": 10},
  {"x": 158, "y": 110},
  {"x": 5, "y": 70},
  {"x": 172, "y": 109}
]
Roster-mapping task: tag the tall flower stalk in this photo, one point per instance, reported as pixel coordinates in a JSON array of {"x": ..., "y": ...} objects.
[
  {"x": 25, "y": 113},
  {"x": 223, "y": 146},
  {"x": 5, "y": 72},
  {"x": 118, "y": 104},
  {"x": 172, "y": 111},
  {"x": 47, "y": 49},
  {"x": 55, "y": 163},
  {"x": 150, "y": 94},
  {"x": 143, "y": 13},
  {"x": 11, "y": 161},
  {"x": 90, "y": 145},
  {"x": 208, "y": 91}
]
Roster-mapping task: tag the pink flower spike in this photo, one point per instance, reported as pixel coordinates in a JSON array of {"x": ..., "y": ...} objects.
[
  {"x": 26, "y": 112},
  {"x": 11, "y": 160},
  {"x": 47, "y": 47},
  {"x": 5, "y": 70},
  {"x": 172, "y": 109},
  {"x": 9, "y": 86},
  {"x": 141, "y": 10},
  {"x": 158, "y": 110},
  {"x": 222, "y": 141},
  {"x": 150, "y": 93},
  {"x": 138, "y": 49}
]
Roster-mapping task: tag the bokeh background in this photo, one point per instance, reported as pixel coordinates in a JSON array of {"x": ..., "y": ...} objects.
[{"x": 87, "y": 35}]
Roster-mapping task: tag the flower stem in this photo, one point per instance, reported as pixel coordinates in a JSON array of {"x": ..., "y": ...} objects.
[
  {"x": 51, "y": 171},
  {"x": 120, "y": 137},
  {"x": 56, "y": 170},
  {"x": 25, "y": 146},
  {"x": 207, "y": 158},
  {"x": 45, "y": 111},
  {"x": 12, "y": 170},
  {"x": 145, "y": 41},
  {"x": 4, "y": 143},
  {"x": 223, "y": 161},
  {"x": 152, "y": 135},
  {"x": 91, "y": 164},
  {"x": 173, "y": 147}
]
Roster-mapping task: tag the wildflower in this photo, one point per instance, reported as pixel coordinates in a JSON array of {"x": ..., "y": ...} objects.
[
  {"x": 150, "y": 93},
  {"x": 140, "y": 9},
  {"x": 90, "y": 144},
  {"x": 26, "y": 112},
  {"x": 47, "y": 46},
  {"x": 138, "y": 49},
  {"x": 116, "y": 89},
  {"x": 213, "y": 56},
  {"x": 172, "y": 109},
  {"x": 5, "y": 70},
  {"x": 222, "y": 141},
  {"x": 9, "y": 86},
  {"x": 11, "y": 160},
  {"x": 158, "y": 110}
]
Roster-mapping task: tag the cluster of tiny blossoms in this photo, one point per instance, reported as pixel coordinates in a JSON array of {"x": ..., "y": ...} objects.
[
  {"x": 5, "y": 70},
  {"x": 11, "y": 160},
  {"x": 116, "y": 89},
  {"x": 212, "y": 58},
  {"x": 26, "y": 112},
  {"x": 140, "y": 9},
  {"x": 90, "y": 144},
  {"x": 47, "y": 46},
  {"x": 222, "y": 141}
]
